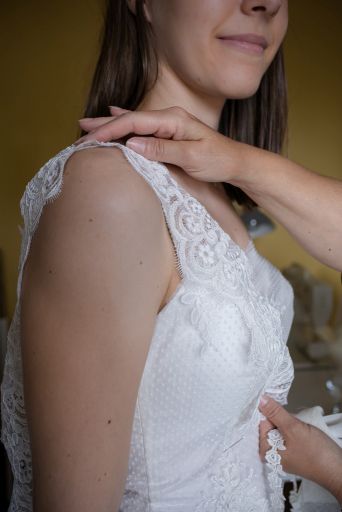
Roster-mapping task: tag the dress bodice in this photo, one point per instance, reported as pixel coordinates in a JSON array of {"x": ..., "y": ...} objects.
[{"x": 217, "y": 346}]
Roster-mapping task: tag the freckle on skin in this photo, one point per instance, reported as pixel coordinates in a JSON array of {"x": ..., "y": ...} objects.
[
  {"x": 140, "y": 262},
  {"x": 68, "y": 454},
  {"x": 329, "y": 249},
  {"x": 90, "y": 220},
  {"x": 99, "y": 479},
  {"x": 50, "y": 271},
  {"x": 109, "y": 421}
]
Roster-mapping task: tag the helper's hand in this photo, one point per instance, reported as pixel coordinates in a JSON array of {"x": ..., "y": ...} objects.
[
  {"x": 309, "y": 453},
  {"x": 173, "y": 136}
]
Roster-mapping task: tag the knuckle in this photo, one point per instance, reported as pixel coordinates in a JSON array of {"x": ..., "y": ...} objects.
[
  {"x": 179, "y": 111},
  {"x": 158, "y": 148}
]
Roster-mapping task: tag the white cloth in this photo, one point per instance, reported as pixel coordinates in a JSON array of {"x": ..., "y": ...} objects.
[
  {"x": 311, "y": 497},
  {"x": 218, "y": 345}
]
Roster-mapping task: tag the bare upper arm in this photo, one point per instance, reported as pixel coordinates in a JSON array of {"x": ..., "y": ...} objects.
[{"x": 92, "y": 284}]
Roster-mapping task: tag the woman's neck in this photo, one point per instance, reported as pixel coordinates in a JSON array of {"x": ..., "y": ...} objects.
[{"x": 169, "y": 91}]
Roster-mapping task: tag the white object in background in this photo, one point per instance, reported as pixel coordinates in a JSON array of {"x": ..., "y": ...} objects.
[{"x": 311, "y": 497}]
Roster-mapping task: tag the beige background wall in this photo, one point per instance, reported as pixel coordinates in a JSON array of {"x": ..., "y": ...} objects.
[{"x": 48, "y": 51}]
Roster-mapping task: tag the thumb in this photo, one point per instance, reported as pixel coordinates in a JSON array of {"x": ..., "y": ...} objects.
[
  {"x": 162, "y": 150},
  {"x": 275, "y": 413}
]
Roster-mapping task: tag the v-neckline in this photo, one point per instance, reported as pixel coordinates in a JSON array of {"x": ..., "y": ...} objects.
[{"x": 187, "y": 194}]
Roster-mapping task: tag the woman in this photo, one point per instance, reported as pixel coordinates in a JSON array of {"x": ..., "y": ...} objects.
[{"x": 155, "y": 266}]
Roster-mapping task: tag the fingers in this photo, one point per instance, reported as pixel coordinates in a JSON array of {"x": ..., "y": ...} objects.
[
  {"x": 170, "y": 123},
  {"x": 91, "y": 123},
  {"x": 275, "y": 413},
  {"x": 117, "y": 110},
  {"x": 163, "y": 150},
  {"x": 140, "y": 123}
]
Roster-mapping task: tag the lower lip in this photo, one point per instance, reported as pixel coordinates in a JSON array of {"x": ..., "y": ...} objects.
[{"x": 244, "y": 46}]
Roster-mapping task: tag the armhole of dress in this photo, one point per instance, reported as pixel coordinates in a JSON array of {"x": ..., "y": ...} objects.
[
  {"x": 55, "y": 168},
  {"x": 135, "y": 165},
  {"x": 177, "y": 263},
  {"x": 49, "y": 178}
]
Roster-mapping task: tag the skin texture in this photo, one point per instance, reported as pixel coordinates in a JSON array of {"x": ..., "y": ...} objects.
[
  {"x": 197, "y": 71},
  {"x": 92, "y": 259}
]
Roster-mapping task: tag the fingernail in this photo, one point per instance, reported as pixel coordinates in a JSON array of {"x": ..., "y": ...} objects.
[
  {"x": 263, "y": 400},
  {"x": 136, "y": 144},
  {"x": 85, "y": 119}
]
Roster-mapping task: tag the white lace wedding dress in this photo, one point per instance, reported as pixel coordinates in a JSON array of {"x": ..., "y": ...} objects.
[{"x": 218, "y": 345}]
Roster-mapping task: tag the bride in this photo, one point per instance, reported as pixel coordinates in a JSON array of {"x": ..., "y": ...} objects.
[{"x": 147, "y": 326}]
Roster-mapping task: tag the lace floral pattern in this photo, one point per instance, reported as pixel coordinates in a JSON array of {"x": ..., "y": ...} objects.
[
  {"x": 273, "y": 458},
  {"x": 232, "y": 486},
  {"x": 207, "y": 257}
]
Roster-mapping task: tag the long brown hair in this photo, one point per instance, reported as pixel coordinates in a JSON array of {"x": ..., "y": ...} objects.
[{"x": 127, "y": 69}]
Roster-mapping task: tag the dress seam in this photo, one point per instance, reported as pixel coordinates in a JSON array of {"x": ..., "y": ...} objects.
[{"x": 145, "y": 457}]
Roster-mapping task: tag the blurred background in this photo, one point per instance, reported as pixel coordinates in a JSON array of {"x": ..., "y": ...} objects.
[{"x": 48, "y": 53}]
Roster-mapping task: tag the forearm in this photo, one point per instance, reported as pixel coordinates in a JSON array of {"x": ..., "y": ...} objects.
[{"x": 307, "y": 204}]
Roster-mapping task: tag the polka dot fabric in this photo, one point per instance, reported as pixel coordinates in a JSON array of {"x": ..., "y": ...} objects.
[{"x": 217, "y": 346}]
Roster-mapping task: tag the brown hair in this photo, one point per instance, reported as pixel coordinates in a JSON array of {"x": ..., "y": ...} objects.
[{"x": 127, "y": 69}]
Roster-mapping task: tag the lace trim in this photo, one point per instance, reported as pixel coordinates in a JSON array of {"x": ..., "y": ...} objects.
[
  {"x": 273, "y": 462},
  {"x": 209, "y": 256},
  {"x": 231, "y": 488}
]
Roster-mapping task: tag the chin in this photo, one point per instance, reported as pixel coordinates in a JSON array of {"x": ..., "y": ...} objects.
[
  {"x": 239, "y": 93},
  {"x": 239, "y": 87}
]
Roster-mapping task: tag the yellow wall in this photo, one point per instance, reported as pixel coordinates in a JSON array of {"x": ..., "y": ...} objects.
[{"x": 48, "y": 53}]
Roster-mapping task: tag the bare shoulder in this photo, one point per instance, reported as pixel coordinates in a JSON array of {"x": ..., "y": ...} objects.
[
  {"x": 104, "y": 174},
  {"x": 105, "y": 208},
  {"x": 96, "y": 273}
]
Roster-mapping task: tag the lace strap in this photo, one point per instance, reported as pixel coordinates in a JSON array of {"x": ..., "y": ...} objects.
[{"x": 46, "y": 185}]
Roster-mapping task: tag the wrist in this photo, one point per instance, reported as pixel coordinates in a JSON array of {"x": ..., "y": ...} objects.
[
  {"x": 255, "y": 170},
  {"x": 333, "y": 478},
  {"x": 335, "y": 487}
]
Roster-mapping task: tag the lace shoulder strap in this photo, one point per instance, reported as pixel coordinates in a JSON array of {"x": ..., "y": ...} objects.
[
  {"x": 204, "y": 253},
  {"x": 47, "y": 183}
]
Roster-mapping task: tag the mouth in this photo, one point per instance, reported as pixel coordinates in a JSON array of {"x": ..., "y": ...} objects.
[{"x": 250, "y": 43}]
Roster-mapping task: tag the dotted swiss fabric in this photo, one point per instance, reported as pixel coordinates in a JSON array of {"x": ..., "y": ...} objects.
[{"x": 217, "y": 346}]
